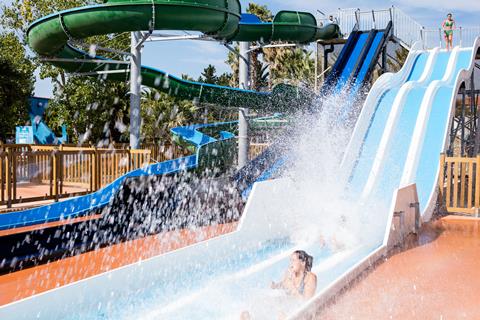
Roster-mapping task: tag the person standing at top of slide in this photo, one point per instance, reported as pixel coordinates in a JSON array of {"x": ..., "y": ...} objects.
[{"x": 448, "y": 26}]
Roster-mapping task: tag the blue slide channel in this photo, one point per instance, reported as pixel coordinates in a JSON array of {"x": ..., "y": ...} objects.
[
  {"x": 397, "y": 150},
  {"x": 84, "y": 205},
  {"x": 368, "y": 59},
  {"x": 349, "y": 68},
  {"x": 353, "y": 53},
  {"x": 376, "y": 128},
  {"x": 438, "y": 121}
]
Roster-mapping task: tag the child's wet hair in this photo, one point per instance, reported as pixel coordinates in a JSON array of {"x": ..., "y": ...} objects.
[{"x": 305, "y": 257}]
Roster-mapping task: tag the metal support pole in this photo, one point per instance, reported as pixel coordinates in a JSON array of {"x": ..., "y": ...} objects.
[
  {"x": 462, "y": 145},
  {"x": 440, "y": 37},
  {"x": 326, "y": 52},
  {"x": 316, "y": 65},
  {"x": 373, "y": 19},
  {"x": 477, "y": 118},
  {"x": 135, "y": 86},
  {"x": 243, "y": 76},
  {"x": 384, "y": 59}
]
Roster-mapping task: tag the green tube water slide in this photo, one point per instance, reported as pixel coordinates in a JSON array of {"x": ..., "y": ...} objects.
[{"x": 53, "y": 37}]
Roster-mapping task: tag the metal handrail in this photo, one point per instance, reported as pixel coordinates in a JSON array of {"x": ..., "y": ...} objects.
[{"x": 405, "y": 29}]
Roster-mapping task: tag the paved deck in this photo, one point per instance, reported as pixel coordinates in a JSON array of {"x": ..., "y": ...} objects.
[
  {"x": 31, "y": 190},
  {"x": 25, "y": 283},
  {"x": 437, "y": 278}
]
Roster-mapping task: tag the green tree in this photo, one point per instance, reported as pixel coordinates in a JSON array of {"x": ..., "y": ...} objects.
[
  {"x": 270, "y": 66},
  {"x": 21, "y": 13},
  {"x": 258, "y": 76},
  {"x": 295, "y": 66},
  {"x": 94, "y": 110},
  {"x": 161, "y": 112},
  {"x": 208, "y": 75},
  {"x": 224, "y": 79},
  {"x": 16, "y": 84}
]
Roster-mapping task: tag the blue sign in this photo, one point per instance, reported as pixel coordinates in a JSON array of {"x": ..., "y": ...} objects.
[{"x": 24, "y": 135}]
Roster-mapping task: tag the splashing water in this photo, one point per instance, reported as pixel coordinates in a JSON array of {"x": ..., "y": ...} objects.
[
  {"x": 318, "y": 148},
  {"x": 221, "y": 285}
]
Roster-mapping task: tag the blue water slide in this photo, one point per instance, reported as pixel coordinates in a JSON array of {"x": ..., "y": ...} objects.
[
  {"x": 388, "y": 178},
  {"x": 370, "y": 58},
  {"x": 42, "y": 134},
  {"x": 408, "y": 127},
  {"x": 377, "y": 123},
  {"x": 339, "y": 65},
  {"x": 90, "y": 203},
  {"x": 436, "y": 131},
  {"x": 84, "y": 205},
  {"x": 352, "y": 61}
]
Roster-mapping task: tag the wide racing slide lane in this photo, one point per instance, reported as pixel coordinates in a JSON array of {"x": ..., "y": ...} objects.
[{"x": 400, "y": 134}]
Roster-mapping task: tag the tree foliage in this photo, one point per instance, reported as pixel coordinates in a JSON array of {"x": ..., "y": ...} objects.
[
  {"x": 95, "y": 110},
  {"x": 209, "y": 75},
  {"x": 16, "y": 84},
  {"x": 270, "y": 66},
  {"x": 295, "y": 66},
  {"x": 396, "y": 63},
  {"x": 21, "y": 13},
  {"x": 161, "y": 112}
]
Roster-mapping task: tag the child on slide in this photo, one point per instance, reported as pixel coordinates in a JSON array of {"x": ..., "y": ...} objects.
[{"x": 298, "y": 281}]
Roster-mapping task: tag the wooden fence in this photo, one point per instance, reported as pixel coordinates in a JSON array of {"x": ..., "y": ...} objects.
[
  {"x": 37, "y": 173},
  {"x": 31, "y": 173},
  {"x": 460, "y": 184},
  {"x": 160, "y": 153},
  {"x": 257, "y": 148}
]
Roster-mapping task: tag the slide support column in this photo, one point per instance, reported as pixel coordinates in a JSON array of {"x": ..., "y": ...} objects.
[
  {"x": 135, "y": 86},
  {"x": 243, "y": 77}
]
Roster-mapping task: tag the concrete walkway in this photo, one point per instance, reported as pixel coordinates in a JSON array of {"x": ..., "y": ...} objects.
[
  {"x": 31, "y": 190},
  {"x": 438, "y": 277}
]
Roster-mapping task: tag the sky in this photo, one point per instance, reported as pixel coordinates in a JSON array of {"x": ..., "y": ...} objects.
[{"x": 191, "y": 57}]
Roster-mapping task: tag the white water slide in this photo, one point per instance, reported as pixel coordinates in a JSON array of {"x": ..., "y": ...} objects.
[{"x": 402, "y": 129}]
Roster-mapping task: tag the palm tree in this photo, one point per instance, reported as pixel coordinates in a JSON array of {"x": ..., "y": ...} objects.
[
  {"x": 273, "y": 65},
  {"x": 257, "y": 69}
]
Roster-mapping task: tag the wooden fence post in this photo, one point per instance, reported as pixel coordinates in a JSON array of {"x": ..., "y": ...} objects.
[
  {"x": 14, "y": 175},
  {"x": 8, "y": 176},
  {"x": 93, "y": 167},
  {"x": 441, "y": 178},
  {"x": 129, "y": 168},
  {"x": 2, "y": 175},
  {"x": 55, "y": 174},
  {"x": 477, "y": 183},
  {"x": 60, "y": 156},
  {"x": 96, "y": 170}
]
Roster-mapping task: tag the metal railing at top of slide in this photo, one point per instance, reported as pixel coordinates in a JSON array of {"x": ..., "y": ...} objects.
[
  {"x": 405, "y": 29},
  {"x": 462, "y": 36}
]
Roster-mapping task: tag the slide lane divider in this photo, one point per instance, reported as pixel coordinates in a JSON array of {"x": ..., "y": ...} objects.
[
  {"x": 386, "y": 82},
  {"x": 392, "y": 122}
]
